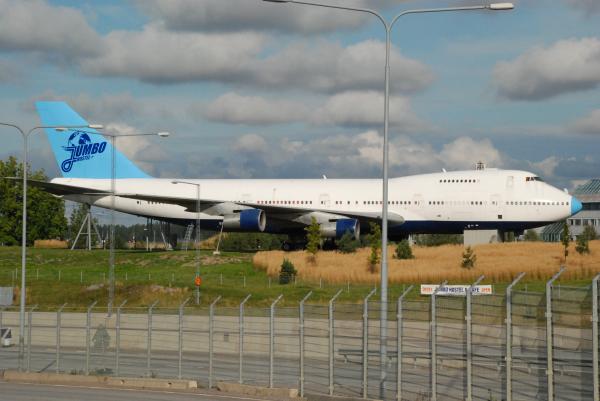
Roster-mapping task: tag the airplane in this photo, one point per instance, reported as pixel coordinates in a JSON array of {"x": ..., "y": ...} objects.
[{"x": 445, "y": 202}]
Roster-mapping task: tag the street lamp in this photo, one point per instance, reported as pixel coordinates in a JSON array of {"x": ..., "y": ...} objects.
[
  {"x": 111, "y": 258},
  {"x": 197, "y": 234},
  {"x": 25, "y": 135},
  {"x": 384, "y": 213}
]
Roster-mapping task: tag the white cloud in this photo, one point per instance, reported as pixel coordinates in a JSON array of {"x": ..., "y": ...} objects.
[
  {"x": 589, "y": 124},
  {"x": 587, "y": 6},
  {"x": 54, "y": 30},
  {"x": 159, "y": 56},
  {"x": 213, "y": 15},
  {"x": 250, "y": 144},
  {"x": 145, "y": 152},
  {"x": 254, "y": 110},
  {"x": 366, "y": 109},
  {"x": 350, "y": 155},
  {"x": 566, "y": 66},
  {"x": 329, "y": 67},
  {"x": 464, "y": 152},
  {"x": 547, "y": 166}
]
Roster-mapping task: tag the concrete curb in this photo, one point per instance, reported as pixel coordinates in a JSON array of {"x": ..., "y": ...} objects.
[
  {"x": 321, "y": 397},
  {"x": 130, "y": 382},
  {"x": 244, "y": 389}
]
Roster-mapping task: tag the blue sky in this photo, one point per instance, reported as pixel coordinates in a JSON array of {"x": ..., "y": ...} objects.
[{"x": 250, "y": 89}]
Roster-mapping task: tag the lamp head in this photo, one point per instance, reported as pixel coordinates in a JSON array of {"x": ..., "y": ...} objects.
[
  {"x": 163, "y": 134},
  {"x": 96, "y": 126},
  {"x": 501, "y": 6}
]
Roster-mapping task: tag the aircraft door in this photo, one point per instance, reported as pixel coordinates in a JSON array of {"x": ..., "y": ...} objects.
[
  {"x": 324, "y": 200},
  {"x": 418, "y": 201},
  {"x": 497, "y": 206}
]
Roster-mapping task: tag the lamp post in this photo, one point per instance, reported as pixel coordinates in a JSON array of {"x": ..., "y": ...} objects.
[
  {"x": 111, "y": 235},
  {"x": 384, "y": 213},
  {"x": 25, "y": 135},
  {"x": 197, "y": 294}
]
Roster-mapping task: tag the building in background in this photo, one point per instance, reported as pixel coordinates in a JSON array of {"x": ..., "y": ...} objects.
[{"x": 589, "y": 195}]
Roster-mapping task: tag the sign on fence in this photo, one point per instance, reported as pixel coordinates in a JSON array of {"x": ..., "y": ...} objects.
[
  {"x": 456, "y": 290},
  {"x": 6, "y": 296}
]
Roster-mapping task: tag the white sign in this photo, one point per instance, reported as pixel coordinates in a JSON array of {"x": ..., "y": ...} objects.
[{"x": 455, "y": 290}]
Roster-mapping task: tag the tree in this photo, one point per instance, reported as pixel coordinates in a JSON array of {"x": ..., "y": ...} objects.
[
  {"x": 45, "y": 213},
  {"x": 531, "y": 235},
  {"x": 374, "y": 239},
  {"x": 469, "y": 258},
  {"x": 582, "y": 244},
  {"x": 347, "y": 244},
  {"x": 287, "y": 272},
  {"x": 566, "y": 239},
  {"x": 313, "y": 237},
  {"x": 403, "y": 250}
]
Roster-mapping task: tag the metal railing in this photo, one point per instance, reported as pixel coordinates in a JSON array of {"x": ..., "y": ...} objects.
[{"x": 507, "y": 346}]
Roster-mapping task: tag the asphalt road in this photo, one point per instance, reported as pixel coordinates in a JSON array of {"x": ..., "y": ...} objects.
[{"x": 43, "y": 392}]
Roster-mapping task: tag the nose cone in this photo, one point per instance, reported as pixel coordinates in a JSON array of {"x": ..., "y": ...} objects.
[{"x": 575, "y": 205}]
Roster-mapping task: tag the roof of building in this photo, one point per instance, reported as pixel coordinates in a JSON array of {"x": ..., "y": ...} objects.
[{"x": 588, "y": 192}]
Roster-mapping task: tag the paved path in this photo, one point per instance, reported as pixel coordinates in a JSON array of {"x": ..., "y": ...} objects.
[{"x": 44, "y": 392}]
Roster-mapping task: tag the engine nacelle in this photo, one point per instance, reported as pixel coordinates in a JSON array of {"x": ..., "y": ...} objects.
[
  {"x": 338, "y": 228},
  {"x": 246, "y": 220}
]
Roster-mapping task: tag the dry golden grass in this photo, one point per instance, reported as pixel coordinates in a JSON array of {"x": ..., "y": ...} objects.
[
  {"x": 499, "y": 263},
  {"x": 50, "y": 244}
]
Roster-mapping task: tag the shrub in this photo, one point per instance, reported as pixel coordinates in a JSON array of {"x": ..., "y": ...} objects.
[
  {"x": 590, "y": 233},
  {"x": 438, "y": 239},
  {"x": 582, "y": 244},
  {"x": 403, "y": 250},
  {"x": 531, "y": 235},
  {"x": 469, "y": 258},
  {"x": 287, "y": 273},
  {"x": 347, "y": 244}
]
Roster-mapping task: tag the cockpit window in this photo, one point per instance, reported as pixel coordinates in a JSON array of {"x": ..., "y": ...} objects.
[{"x": 533, "y": 179}]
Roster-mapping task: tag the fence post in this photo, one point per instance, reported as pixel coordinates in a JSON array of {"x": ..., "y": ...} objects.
[
  {"x": 331, "y": 342},
  {"x": 88, "y": 323},
  {"x": 241, "y": 339},
  {"x": 469, "y": 319},
  {"x": 434, "y": 343},
  {"x": 272, "y": 338},
  {"x": 301, "y": 324},
  {"x": 29, "y": 328},
  {"x": 211, "y": 315},
  {"x": 149, "y": 339},
  {"x": 180, "y": 342},
  {"x": 595, "y": 338},
  {"x": 509, "y": 336},
  {"x": 118, "y": 337},
  {"x": 549, "y": 335},
  {"x": 365, "y": 342},
  {"x": 399, "y": 331},
  {"x": 58, "y": 315}
]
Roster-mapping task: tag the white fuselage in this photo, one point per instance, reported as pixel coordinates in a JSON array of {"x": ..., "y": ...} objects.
[{"x": 440, "y": 202}]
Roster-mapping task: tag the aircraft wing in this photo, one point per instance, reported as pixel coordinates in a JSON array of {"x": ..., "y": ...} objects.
[
  {"x": 60, "y": 189},
  {"x": 220, "y": 207}
]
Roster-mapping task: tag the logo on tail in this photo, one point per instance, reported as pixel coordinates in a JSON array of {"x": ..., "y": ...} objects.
[{"x": 81, "y": 148}]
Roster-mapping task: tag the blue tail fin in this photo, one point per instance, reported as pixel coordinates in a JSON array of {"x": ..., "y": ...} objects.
[{"x": 82, "y": 153}]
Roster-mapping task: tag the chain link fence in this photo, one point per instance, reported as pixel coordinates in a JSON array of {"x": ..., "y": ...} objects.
[{"x": 479, "y": 347}]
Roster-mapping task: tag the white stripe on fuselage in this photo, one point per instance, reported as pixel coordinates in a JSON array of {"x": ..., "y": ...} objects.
[{"x": 473, "y": 195}]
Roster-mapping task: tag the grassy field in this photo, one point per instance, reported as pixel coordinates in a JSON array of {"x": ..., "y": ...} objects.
[
  {"x": 79, "y": 277},
  {"x": 500, "y": 263}
]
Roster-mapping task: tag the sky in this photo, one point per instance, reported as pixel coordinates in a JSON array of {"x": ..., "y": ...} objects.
[{"x": 250, "y": 89}]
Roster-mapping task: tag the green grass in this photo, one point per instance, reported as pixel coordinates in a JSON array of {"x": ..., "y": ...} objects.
[{"x": 80, "y": 277}]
